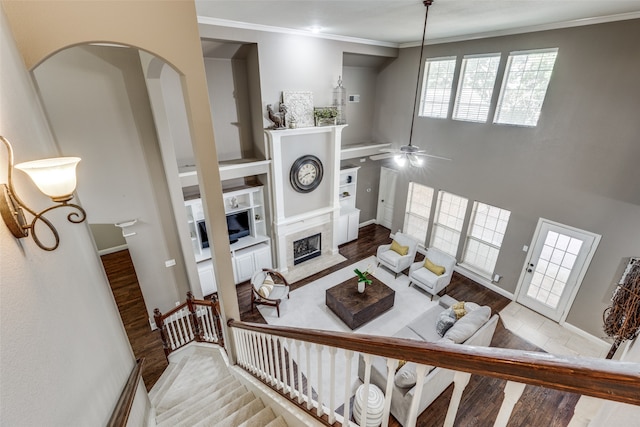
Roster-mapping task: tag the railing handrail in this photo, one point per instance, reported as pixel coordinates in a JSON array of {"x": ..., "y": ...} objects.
[
  {"x": 123, "y": 406},
  {"x": 601, "y": 378}
]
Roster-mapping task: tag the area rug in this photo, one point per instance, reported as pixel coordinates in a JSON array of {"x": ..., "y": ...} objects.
[{"x": 306, "y": 308}]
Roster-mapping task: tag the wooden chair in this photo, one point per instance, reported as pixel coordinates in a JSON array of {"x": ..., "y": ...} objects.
[{"x": 278, "y": 293}]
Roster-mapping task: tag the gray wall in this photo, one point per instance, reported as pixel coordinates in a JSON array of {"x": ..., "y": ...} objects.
[
  {"x": 107, "y": 236},
  {"x": 577, "y": 167}
]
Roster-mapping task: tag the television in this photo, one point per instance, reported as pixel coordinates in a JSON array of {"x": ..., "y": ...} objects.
[
  {"x": 238, "y": 225},
  {"x": 202, "y": 232}
]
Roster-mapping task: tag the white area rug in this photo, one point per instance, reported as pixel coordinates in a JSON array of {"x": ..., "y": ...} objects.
[{"x": 306, "y": 308}]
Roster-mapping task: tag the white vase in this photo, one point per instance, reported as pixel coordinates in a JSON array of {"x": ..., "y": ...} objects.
[{"x": 361, "y": 286}]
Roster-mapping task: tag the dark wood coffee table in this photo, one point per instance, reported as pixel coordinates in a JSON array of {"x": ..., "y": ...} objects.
[{"x": 356, "y": 309}]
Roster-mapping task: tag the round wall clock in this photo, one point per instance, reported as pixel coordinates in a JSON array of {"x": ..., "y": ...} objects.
[{"x": 306, "y": 173}]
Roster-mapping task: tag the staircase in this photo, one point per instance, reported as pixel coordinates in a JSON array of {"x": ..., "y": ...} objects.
[{"x": 200, "y": 390}]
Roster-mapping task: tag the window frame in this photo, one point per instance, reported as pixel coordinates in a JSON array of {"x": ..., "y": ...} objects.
[
  {"x": 505, "y": 91},
  {"x": 408, "y": 213},
  {"x": 470, "y": 237},
  {"x": 425, "y": 86},
  {"x": 463, "y": 90},
  {"x": 437, "y": 224}
]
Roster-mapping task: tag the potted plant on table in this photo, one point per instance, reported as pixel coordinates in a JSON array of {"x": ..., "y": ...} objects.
[{"x": 363, "y": 280}]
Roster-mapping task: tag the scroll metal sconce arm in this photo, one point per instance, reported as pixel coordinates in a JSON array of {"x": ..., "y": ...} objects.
[{"x": 56, "y": 179}]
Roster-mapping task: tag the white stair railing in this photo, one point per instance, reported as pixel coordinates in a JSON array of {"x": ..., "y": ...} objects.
[{"x": 279, "y": 360}]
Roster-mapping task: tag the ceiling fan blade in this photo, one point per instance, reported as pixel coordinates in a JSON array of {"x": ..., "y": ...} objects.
[
  {"x": 382, "y": 156},
  {"x": 431, "y": 155}
]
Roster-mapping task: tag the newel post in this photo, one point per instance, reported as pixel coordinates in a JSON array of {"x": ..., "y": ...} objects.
[
  {"x": 194, "y": 317},
  {"x": 157, "y": 316}
]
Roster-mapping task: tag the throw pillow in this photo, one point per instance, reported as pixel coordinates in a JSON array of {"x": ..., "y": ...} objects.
[
  {"x": 407, "y": 376},
  {"x": 265, "y": 290},
  {"x": 397, "y": 247},
  {"x": 268, "y": 280},
  {"x": 468, "y": 325},
  {"x": 446, "y": 319},
  {"x": 459, "y": 309},
  {"x": 438, "y": 270}
]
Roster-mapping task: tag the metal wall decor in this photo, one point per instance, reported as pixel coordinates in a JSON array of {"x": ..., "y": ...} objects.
[{"x": 300, "y": 106}]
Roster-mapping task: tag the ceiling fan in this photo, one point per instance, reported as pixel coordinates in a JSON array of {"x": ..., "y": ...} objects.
[{"x": 410, "y": 153}]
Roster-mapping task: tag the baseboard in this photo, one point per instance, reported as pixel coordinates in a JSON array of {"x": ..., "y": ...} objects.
[
  {"x": 363, "y": 224},
  {"x": 484, "y": 282},
  {"x": 112, "y": 250},
  {"x": 585, "y": 334}
]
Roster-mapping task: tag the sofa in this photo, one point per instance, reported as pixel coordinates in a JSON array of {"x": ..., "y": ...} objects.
[
  {"x": 426, "y": 278},
  {"x": 437, "y": 379}
]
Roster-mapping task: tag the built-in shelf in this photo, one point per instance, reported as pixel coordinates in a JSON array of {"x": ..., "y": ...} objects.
[{"x": 354, "y": 151}]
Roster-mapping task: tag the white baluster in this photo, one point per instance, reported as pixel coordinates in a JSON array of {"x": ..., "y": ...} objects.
[
  {"x": 277, "y": 361},
  {"x": 262, "y": 355},
  {"x": 204, "y": 316},
  {"x": 269, "y": 339},
  {"x": 320, "y": 411},
  {"x": 298, "y": 358},
  {"x": 460, "y": 381},
  {"x": 585, "y": 411},
  {"x": 332, "y": 385},
  {"x": 364, "y": 413},
  {"x": 186, "y": 320},
  {"x": 348, "y": 357},
  {"x": 254, "y": 353},
  {"x": 239, "y": 338},
  {"x": 283, "y": 361},
  {"x": 413, "y": 409},
  {"x": 171, "y": 333},
  {"x": 292, "y": 380},
  {"x": 392, "y": 365},
  {"x": 512, "y": 393},
  {"x": 307, "y": 346}
]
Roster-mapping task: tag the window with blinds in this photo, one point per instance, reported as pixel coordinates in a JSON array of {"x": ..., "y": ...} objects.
[
  {"x": 525, "y": 86},
  {"x": 447, "y": 224},
  {"x": 487, "y": 227},
  {"x": 477, "y": 79},
  {"x": 418, "y": 211},
  {"x": 436, "y": 87}
]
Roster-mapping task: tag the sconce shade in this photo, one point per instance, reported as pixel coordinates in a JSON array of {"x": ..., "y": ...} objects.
[{"x": 54, "y": 177}]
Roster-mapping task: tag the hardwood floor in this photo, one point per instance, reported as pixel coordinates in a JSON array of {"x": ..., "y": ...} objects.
[
  {"x": 482, "y": 398},
  {"x": 126, "y": 290}
]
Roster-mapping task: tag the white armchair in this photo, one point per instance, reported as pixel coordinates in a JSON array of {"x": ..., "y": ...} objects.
[
  {"x": 392, "y": 259},
  {"x": 426, "y": 279},
  {"x": 268, "y": 287}
]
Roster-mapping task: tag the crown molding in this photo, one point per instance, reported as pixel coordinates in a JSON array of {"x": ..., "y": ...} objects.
[
  {"x": 205, "y": 20},
  {"x": 530, "y": 29}
]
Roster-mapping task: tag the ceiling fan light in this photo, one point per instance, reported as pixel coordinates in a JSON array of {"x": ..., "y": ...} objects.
[
  {"x": 400, "y": 159},
  {"x": 415, "y": 161}
]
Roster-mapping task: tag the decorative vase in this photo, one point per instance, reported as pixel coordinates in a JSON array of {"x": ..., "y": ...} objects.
[{"x": 361, "y": 286}]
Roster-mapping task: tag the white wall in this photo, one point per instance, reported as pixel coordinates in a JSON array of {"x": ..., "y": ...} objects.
[
  {"x": 98, "y": 106},
  {"x": 65, "y": 355}
]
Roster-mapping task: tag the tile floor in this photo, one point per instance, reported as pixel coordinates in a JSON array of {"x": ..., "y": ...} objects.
[{"x": 549, "y": 335}]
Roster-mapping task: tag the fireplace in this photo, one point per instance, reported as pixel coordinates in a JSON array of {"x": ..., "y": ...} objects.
[{"x": 306, "y": 249}]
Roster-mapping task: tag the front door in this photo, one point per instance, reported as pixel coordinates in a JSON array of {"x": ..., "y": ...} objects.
[
  {"x": 557, "y": 261},
  {"x": 386, "y": 196}
]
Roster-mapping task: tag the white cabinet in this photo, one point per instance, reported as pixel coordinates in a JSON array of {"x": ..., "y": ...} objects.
[
  {"x": 248, "y": 260},
  {"x": 207, "y": 277},
  {"x": 349, "y": 218}
]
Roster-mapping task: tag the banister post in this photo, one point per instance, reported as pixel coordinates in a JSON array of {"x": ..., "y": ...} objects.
[
  {"x": 215, "y": 305},
  {"x": 194, "y": 317},
  {"x": 157, "y": 316}
]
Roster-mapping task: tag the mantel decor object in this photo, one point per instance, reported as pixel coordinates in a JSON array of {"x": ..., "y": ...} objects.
[
  {"x": 299, "y": 105},
  {"x": 325, "y": 116}
]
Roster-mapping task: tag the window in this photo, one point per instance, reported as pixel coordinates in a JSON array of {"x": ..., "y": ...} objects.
[
  {"x": 477, "y": 78},
  {"x": 486, "y": 231},
  {"x": 447, "y": 225},
  {"x": 525, "y": 86},
  {"x": 416, "y": 218},
  {"x": 436, "y": 87}
]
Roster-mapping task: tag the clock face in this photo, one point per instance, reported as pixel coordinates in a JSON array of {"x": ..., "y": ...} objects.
[{"x": 306, "y": 174}]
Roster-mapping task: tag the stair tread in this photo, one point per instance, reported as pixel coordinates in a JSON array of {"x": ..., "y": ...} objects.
[
  {"x": 203, "y": 398},
  {"x": 260, "y": 419},
  {"x": 277, "y": 422},
  {"x": 195, "y": 418},
  {"x": 165, "y": 383},
  {"x": 241, "y": 415}
]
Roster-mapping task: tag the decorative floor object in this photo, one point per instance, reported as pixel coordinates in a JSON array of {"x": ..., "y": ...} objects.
[{"x": 375, "y": 405}]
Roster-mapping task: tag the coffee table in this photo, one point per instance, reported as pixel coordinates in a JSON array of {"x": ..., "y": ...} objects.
[{"x": 354, "y": 308}]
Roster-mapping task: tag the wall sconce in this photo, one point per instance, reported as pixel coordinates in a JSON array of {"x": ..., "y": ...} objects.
[{"x": 54, "y": 177}]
